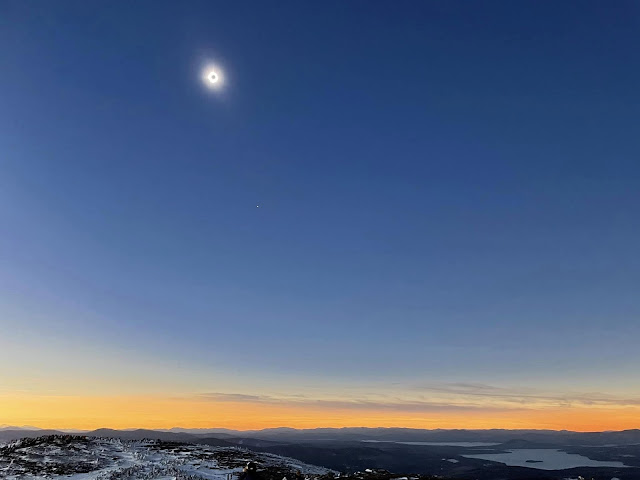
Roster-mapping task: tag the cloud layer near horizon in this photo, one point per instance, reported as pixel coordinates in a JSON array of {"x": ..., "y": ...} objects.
[
  {"x": 438, "y": 397},
  {"x": 438, "y": 405}
]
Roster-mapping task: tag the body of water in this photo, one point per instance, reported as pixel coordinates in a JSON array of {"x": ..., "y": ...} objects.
[
  {"x": 544, "y": 459},
  {"x": 441, "y": 444}
]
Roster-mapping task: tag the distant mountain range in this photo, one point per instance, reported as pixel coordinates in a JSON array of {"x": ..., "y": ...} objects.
[
  {"x": 227, "y": 437},
  {"x": 13, "y": 427}
]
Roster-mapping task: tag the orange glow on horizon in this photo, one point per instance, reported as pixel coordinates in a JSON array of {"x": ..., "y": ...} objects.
[{"x": 86, "y": 412}]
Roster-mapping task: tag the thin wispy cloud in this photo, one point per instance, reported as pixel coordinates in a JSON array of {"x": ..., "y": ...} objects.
[
  {"x": 351, "y": 404},
  {"x": 527, "y": 395},
  {"x": 436, "y": 398}
]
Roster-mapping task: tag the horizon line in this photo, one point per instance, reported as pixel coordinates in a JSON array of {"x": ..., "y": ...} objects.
[{"x": 169, "y": 430}]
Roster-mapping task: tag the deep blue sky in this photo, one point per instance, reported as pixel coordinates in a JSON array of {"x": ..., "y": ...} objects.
[{"x": 446, "y": 189}]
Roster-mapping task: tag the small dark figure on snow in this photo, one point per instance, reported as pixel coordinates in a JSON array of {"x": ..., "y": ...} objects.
[{"x": 250, "y": 472}]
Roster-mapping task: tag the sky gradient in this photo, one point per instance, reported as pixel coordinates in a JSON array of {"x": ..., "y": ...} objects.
[{"x": 448, "y": 232}]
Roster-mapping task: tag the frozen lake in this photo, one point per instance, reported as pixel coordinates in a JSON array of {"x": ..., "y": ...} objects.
[
  {"x": 544, "y": 459},
  {"x": 441, "y": 444}
]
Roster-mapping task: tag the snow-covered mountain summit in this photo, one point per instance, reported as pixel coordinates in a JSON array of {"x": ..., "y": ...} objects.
[{"x": 90, "y": 458}]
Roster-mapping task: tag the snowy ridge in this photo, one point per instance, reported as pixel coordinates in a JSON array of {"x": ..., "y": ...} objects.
[{"x": 91, "y": 458}]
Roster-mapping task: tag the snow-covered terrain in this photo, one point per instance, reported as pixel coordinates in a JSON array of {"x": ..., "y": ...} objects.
[{"x": 87, "y": 458}]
